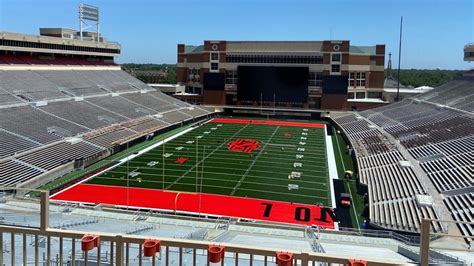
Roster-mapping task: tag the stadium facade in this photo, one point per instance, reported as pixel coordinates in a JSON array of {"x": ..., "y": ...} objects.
[{"x": 305, "y": 74}]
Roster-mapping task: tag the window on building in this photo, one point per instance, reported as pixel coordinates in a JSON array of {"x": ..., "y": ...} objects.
[
  {"x": 351, "y": 79},
  {"x": 336, "y": 68},
  {"x": 336, "y": 57},
  {"x": 214, "y": 56},
  {"x": 214, "y": 66},
  {"x": 360, "y": 95},
  {"x": 319, "y": 79},
  {"x": 193, "y": 75},
  {"x": 374, "y": 94},
  {"x": 274, "y": 59},
  {"x": 197, "y": 90},
  {"x": 360, "y": 79},
  {"x": 315, "y": 79},
  {"x": 350, "y": 95},
  {"x": 231, "y": 77},
  {"x": 312, "y": 79}
]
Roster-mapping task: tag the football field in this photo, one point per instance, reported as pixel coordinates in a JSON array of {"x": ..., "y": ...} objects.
[
  {"x": 267, "y": 170},
  {"x": 273, "y": 162}
]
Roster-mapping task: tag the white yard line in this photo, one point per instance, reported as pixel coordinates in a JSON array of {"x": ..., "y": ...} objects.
[
  {"x": 207, "y": 156},
  {"x": 253, "y": 162},
  {"x": 130, "y": 157}
]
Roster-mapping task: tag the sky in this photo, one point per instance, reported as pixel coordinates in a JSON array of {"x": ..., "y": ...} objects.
[{"x": 434, "y": 31}]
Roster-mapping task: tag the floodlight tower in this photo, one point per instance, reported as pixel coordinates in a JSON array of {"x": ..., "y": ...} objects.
[{"x": 89, "y": 18}]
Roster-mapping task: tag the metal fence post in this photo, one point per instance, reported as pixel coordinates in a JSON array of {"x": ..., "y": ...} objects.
[
  {"x": 425, "y": 242},
  {"x": 44, "y": 211},
  {"x": 119, "y": 251}
]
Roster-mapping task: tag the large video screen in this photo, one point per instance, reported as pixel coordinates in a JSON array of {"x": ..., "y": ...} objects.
[
  {"x": 335, "y": 84},
  {"x": 286, "y": 84},
  {"x": 214, "y": 81}
]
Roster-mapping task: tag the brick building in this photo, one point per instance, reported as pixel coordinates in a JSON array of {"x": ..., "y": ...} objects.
[{"x": 304, "y": 74}]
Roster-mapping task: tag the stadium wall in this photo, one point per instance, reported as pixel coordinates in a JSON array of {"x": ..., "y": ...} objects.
[{"x": 322, "y": 58}]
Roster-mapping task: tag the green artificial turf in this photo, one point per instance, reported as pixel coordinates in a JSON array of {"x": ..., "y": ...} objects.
[
  {"x": 212, "y": 168},
  {"x": 344, "y": 162},
  {"x": 117, "y": 156}
]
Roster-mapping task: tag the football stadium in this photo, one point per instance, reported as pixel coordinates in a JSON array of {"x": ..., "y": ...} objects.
[{"x": 278, "y": 153}]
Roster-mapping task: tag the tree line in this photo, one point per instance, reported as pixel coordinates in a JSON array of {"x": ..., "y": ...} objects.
[
  {"x": 425, "y": 77},
  {"x": 166, "y": 73}
]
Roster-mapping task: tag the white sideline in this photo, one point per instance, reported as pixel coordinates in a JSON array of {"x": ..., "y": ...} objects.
[
  {"x": 130, "y": 157},
  {"x": 332, "y": 168}
]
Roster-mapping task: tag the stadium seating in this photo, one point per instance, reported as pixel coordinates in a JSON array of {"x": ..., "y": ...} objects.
[
  {"x": 391, "y": 188},
  {"x": 108, "y": 139},
  {"x": 71, "y": 82},
  {"x": 36, "y": 125},
  {"x": 439, "y": 138},
  {"x": 16, "y": 173},
  {"x": 113, "y": 108},
  {"x": 461, "y": 210},
  {"x": 53, "y": 156},
  {"x": 52, "y": 61},
  {"x": 150, "y": 101},
  {"x": 83, "y": 113},
  {"x": 12, "y": 143},
  {"x": 436, "y": 128},
  {"x": 6, "y": 98},
  {"x": 29, "y": 86},
  {"x": 175, "y": 117},
  {"x": 456, "y": 93},
  {"x": 119, "y": 105}
]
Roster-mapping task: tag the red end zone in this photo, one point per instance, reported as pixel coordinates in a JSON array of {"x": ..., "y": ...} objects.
[
  {"x": 266, "y": 122},
  {"x": 249, "y": 208}
]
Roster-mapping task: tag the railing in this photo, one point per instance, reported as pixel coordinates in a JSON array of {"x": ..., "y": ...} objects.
[
  {"x": 406, "y": 239},
  {"x": 53, "y": 246},
  {"x": 59, "y": 247}
]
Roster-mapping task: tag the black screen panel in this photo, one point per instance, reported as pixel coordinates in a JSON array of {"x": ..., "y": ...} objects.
[
  {"x": 287, "y": 84},
  {"x": 335, "y": 84},
  {"x": 214, "y": 81}
]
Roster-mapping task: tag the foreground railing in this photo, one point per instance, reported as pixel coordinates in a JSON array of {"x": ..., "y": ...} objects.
[
  {"x": 43, "y": 245},
  {"x": 63, "y": 247},
  {"x": 23, "y": 245}
]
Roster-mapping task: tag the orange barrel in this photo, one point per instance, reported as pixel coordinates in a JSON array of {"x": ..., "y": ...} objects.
[
  {"x": 89, "y": 242},
  {"x": 215, "y": 253},
  {"x": 150, "y": 247},
  {"x": 284, "y": 259}
]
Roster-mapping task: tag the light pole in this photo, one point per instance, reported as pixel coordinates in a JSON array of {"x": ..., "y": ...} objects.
[
  {"x": 399, "y": 58},
  {"x": 202, "y": 177},
  {"x": 163, "y": 166}
]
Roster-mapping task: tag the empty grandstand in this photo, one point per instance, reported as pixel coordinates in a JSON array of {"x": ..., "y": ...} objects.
[
  {"x": 433, "y": 131},
  {"x": 71, "y": 108}
]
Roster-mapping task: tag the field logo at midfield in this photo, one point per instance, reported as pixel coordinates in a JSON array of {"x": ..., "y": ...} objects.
[{"x": 243, "y": 145}]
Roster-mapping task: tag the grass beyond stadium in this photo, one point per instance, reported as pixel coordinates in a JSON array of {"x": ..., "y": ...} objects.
[{"x": 277, "y": 161}]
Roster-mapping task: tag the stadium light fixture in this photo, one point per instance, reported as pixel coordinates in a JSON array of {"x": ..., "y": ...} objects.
[{"x": 88, "y": 18}]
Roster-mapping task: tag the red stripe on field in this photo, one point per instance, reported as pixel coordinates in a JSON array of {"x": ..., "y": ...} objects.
[
  {"x": 249, "y": 208},
  {"x": 266, "y": 122}
]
